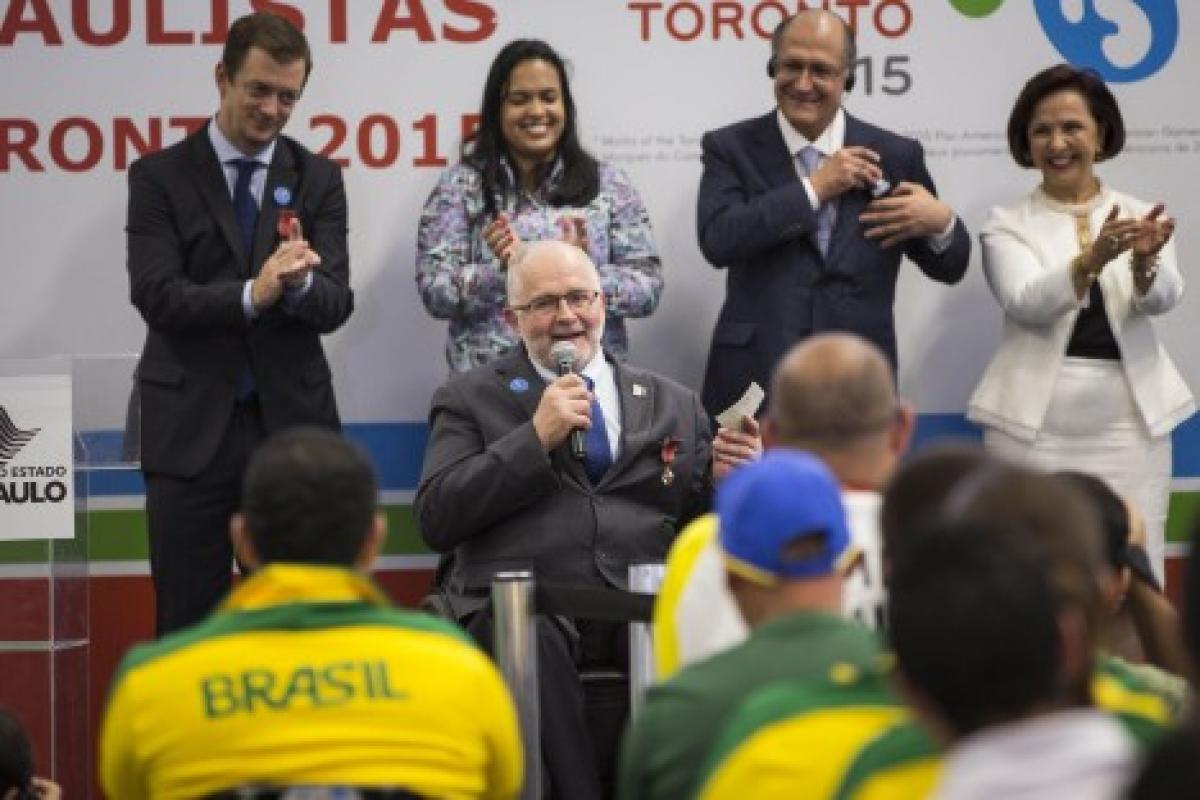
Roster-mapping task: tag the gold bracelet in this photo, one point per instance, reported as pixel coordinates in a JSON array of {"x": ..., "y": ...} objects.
[{"x": 1079, "y": 265}]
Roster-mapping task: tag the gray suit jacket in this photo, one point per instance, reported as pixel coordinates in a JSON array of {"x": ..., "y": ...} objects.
[{"x": 491, "y": 495}]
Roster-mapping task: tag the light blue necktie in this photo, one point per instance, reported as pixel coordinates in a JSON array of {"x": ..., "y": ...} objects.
[
  {"x": 597, "y": 456},
  {"x": 810, "y": 159}
]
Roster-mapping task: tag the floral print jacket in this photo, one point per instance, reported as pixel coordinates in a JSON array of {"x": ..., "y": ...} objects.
[{"x": 461, "y": 281}]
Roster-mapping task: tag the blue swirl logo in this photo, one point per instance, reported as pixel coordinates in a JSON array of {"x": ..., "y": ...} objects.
[{"x": 1132, "y": 43}]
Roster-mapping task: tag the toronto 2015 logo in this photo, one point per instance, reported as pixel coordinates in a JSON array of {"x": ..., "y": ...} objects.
[{"x": 1123, "y": 40}]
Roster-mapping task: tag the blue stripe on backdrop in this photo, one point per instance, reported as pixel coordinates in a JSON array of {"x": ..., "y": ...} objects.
[{"x": 398, "y": 447}]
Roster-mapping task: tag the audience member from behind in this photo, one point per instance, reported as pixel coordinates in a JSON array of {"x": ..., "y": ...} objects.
[
  {"x": 782, "y": 529},
  {"x": 524, "y": 175},
  {"x": 305, "y": 676},
  {"x": 965, "y": 483},
  {"x": 17, "y": 781},
  {"x": 1080, "y": 270},
  {"x": 833, "y": 395},
  {"x": 995, "y": 660},
  {"x": 1143, "y": 625},
  {"x": 1173, "y": 769},
  {"x": 916, "y": 494}
]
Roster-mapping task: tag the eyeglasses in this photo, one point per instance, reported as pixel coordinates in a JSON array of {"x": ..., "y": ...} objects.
[
  {"x": 546, "y": 304},
  {"x": 818, "y": 71}
]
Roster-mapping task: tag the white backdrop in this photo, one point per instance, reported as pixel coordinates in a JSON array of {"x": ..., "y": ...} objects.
[{"x": 649, "y": 78}]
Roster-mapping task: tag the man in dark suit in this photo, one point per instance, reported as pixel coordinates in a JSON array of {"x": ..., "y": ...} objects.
[
  {"x": 237, "y": 261},
  {"x": 501, "y": 490},
  {"x": 786, "y": 204}
]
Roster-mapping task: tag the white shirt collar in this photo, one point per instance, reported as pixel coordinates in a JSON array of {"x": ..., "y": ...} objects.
[
  {"x": 829, "y": 142},
  {"x": 604, "y": 386},
  {"x": 597, "y": 369},
  {"x": 226, "y": 151}
]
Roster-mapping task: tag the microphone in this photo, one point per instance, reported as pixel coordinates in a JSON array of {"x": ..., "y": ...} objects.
[{"x": 563, "y": 355}]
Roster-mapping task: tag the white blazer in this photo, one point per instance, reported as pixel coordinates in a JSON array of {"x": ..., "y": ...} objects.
[{"x": 1027, "y": 252}]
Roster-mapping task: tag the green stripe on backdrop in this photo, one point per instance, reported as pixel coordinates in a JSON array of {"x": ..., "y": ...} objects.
[
  {"x": 121, "y": 536},
  {"x": 1182, "y": 516}
]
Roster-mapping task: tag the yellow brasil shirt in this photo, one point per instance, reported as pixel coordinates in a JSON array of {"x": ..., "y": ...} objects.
[{"x": 305, "y": 676}]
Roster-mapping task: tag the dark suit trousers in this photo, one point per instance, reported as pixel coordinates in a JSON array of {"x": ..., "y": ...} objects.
[
  {"x": 578, "y": 749},
  {"x": 190, "y": 551}
]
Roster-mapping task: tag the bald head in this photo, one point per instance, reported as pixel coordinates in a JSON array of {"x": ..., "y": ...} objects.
[
  {"x": 832, "y": 390},
  {"x": 817, "y": 21},
  {"x": 534, "y": 255}
]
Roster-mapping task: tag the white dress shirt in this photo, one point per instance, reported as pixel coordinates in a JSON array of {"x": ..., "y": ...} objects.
[
  {"x": 604, "y": 387},
  {"x": 832, "y": 139}
]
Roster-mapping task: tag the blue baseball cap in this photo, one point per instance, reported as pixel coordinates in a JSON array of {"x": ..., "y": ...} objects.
[{"x": 768, "y": 508}]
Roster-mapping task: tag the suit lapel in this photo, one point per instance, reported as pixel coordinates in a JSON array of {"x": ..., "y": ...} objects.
[
  {"x": 281, "y": 175},
  {"x": 637, "y": 396},
  {"x": 851, "y": 204},
  {"x": 778, "y": 165},
  {"x": 209, "y": 177},
  {"x": 520, "y": 381}
]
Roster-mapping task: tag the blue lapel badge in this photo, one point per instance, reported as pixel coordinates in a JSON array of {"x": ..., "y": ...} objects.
[
  {"x": 518, "y": 385},
  {"x": 282, "y": 196}
]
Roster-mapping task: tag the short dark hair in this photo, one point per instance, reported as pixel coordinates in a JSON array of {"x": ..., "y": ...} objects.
[
  {"x": 16, "y": 757},
  {"x": 1114, "y": 517},
  {"x": 849, "y": 43},
  {"x": 914, "y": 497},
  {"x": 972, "y": 620},
  {"x": 1100, "y": 101},
  {"x": 309, "y": 497},
  {"x": 486, "y": 148},
  {"x": 1061, "y": 524},
  {"x": 272, "y": 33}
]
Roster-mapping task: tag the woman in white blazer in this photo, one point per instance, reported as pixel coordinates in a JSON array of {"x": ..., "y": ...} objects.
[{"x": 1080, "y": 380}]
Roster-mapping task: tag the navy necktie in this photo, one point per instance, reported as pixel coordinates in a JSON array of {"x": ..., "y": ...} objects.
[
  {"x": 810, "y": 158},
  {"x": 244, "y": 206},
  {"x": 597, "y": 455},
  {"x": 246, "y": 211}
]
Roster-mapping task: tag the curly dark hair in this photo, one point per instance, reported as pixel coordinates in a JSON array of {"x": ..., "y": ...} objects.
[{"x": 486, "y": 147}]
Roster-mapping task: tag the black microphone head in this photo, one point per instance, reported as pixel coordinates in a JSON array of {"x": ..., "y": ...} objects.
[{"x": 563, "y": 355}]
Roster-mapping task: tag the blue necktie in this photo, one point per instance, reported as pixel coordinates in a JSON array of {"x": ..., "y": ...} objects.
[
  {"x": 244, "y": 206},
  {"x": 597, "y": 456},
  {"x": 810, "y": 159}
]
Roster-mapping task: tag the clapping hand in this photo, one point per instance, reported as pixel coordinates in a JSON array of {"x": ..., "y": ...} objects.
[
  {"x": 501, "y": 239},
  {"x": 1153, "y": 231},
  {"x": 574, "y": 231}
]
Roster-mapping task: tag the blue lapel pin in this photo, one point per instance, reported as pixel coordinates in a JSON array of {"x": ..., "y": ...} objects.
[
  {"x": 282, "y": 196},
  {"x": 519, "y": 385}
]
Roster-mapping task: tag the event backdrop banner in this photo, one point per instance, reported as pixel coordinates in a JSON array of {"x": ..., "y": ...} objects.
[{"x": 91, "y": 84}]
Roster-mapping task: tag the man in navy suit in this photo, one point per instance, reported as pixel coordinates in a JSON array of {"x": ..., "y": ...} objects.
[
  {"x": 237, "y": 261},
  {"x": 811, "y": 210}
]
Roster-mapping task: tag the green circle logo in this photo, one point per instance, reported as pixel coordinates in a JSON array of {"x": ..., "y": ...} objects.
[{"x": 976, "y": 8}]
